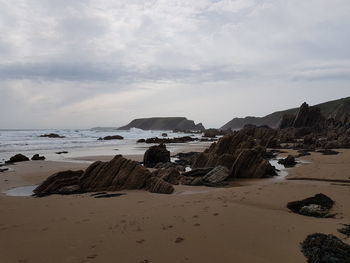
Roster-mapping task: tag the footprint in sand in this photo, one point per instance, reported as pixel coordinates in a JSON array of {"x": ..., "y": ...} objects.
[
  {"x": 179, "y": 240},
  {"x": 215, "y": 214},
  {"x": 195, "y": 216},
  {"x": 140, "y": 241},
  {"x": 196, "y": 224},
  {"x": 145, "y": 261}
]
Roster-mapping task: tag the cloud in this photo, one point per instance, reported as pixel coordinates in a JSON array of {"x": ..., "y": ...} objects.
[{"x": 62, "y": 55}]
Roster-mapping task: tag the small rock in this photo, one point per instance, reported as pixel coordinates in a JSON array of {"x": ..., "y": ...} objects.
[
  {"x": 63, "y": 152},
  {"x": 113, "y": 137},
  {"x": 52, "y": 135},
  {"x": 289, "y": 161},
  {"x": 37, "y": 157}
]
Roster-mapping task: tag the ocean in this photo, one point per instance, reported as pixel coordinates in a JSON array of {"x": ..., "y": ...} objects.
[{"x": 77, "y": 142}]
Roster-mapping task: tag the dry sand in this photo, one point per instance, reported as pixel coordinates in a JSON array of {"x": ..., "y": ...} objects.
[{"x": 249, "y": 223}]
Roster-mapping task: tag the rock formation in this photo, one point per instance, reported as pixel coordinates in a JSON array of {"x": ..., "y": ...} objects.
[
  {"x": 37, "y": 157},
  {"x": 289, "y": 161},
  {"x": 117, "y": 174},
  {"x": 322, "y": 248},
  {"x": 156, "y": 154},
  {"x": 238, "y": 152},
  {"x": 17, "y": 158},
  {"x": 183, "y": 139}
]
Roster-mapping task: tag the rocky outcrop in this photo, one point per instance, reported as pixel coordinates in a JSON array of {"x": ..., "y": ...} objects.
[
  {"x": 17, "y": 158},
  {"x": 169, "y": 175},
  {"x": 52, "y": 135},
  {"x": 212, "y": 133},
  {"x": 37, "y": 157},
  {"x": 166, "y": 123},
  {"x": 316, "y": 206},
  {"x": 117, "y": 174},
  {"x": 66, "y": 182},
  {"x": 156, "y": 154},
  {"x": 239, "y": 153},
  {"x": 113, "y": 137},
  {"x": 214, "y": 178},
  {"x": 322, "y": 248},
  {"x": 186, "y": 158}
]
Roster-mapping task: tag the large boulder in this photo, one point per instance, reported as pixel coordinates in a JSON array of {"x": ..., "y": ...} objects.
[
  {"x": 315, "y": 206},
  {"x": 17, "y": 158},
  {"x": 322, "y": 248},
  {"x": 117, "y": 174},
  {"x": 156, "y": 154}
]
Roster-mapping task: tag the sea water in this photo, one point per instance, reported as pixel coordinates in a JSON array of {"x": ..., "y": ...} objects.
[{"x": 78, "y": 142}]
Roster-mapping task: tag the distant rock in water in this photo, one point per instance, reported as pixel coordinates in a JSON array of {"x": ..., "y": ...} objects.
[
  {"x": 183, "y": 139},
  {"x": 17, "y": 158},
  {"x": 113, "y": 137},
  {"x": 164, "y": 123},
  {"x": 156, "y": 154},
  {"x": 117, "y": 174},
  {"x": 322, "y": 248},
  {"x": 62, "y": 152},
  {"x": 37, "y": 157},
  {"x": 52, "y": 135}
]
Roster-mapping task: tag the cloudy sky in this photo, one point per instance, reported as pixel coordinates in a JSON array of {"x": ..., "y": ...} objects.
[{"x": 81, "y": 63}]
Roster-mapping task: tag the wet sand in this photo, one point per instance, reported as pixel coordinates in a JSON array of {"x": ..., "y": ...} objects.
[{"x": 249, "y": 223}]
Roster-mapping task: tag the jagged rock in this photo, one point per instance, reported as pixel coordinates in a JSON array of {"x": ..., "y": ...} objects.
[
  {"x": 183, "y": 139},
  {"x": 141, "y": 140},
  {"x": 156, "y": 154},
  {"x": 66, "y": 182},
  {"x": 199, "y": 172},
  {"x": 289, "y": 161},
  {"x": 17, "y": 158},
  {"x": 322, "y": 248},
  {"x": 170, "y": 165},
  {"x": 307, "y": 206},
  {"x": 240, "y": 153},
  {"x": 169, "y": 175},
  {"x": 37, "y": 157},
  {"x": 158, "y": 185},
  {"x": 117, "y": 174},
  {"x": 52, "y": 135},
  {"x": 216, "y": 176},
  {"x": 113, "y": 137},
  {"x": 186, "y": 158}
]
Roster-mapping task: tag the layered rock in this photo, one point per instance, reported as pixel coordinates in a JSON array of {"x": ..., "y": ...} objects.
[
  {"x": 117, "y": 174},
  {"x": 156, "y": 154},
  {"x": 238, "y": 152}
]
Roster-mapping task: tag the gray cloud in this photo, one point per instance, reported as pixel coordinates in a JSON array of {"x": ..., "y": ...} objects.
[{"x": 60, "y": 57}]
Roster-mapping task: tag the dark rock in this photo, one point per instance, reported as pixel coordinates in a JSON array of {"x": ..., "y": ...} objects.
[
  {"x": 66, "y": 182},
  {"x": 183, "y": 139},
  {"x": 115, "y": 175},
  {"x": 17, "y": 158},
  {"x": 328, "y": 152},
  {"x": 216, "y": 176},
  {"x": 52, "y": 135},
  {"x": 302, "y": 153},
  {"x": 37, "y": 157},
  {"x": 141, "y": 140},
  {"x": 3, "y": 170},
  {"x": 322, "y": 248},
  {"x": 289, "y": 161},
  {"x": 169, "y": 175},
  {"x": 164, "y": 134},
  {"x": 186, "y": 158},
  {"x": 307, "y": 206},
  {"x": 345, "y": 230},
  {"x": 62, "y": 152},
  {"x": 158, "y": 185},
  {"x": 212, "y": 133},
  {"x": 199, "y": 172},
  {"x": 113, "y": 137},
  {"x": 156, "y": 154}
]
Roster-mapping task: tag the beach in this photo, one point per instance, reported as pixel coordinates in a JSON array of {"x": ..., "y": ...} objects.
[{"x": 245, "y": 223}]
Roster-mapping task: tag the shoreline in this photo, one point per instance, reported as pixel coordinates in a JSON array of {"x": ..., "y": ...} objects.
[{"x": 247, "y": 223}]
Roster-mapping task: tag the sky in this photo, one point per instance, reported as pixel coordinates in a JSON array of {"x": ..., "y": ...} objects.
[{"x": 81, "y": 63}]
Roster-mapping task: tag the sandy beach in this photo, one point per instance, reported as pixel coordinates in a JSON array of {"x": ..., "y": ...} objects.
[{"x": 246, "y": 223}]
